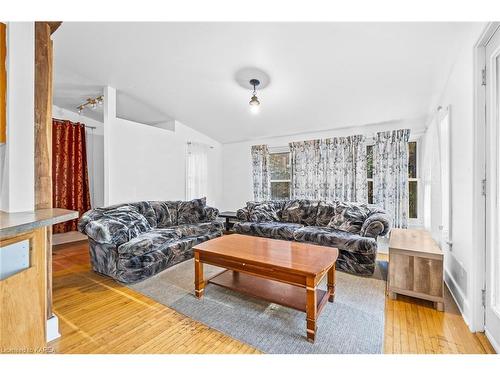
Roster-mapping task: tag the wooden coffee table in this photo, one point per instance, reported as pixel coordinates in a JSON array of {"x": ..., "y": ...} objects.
[{"x": 282, "y": 272}]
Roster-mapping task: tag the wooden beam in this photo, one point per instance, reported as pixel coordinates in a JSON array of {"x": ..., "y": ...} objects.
[
  {"x": 53, "y": 26},
  {"x": 43, "y": 135}
]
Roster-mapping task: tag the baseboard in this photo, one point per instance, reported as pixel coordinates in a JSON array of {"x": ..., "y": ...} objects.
[
  {"x": 68, "y": 237},
  {"x": 458, "y": 296},
  {"x": 53, "y": 328},
  {"x": 493, "y": 342}
]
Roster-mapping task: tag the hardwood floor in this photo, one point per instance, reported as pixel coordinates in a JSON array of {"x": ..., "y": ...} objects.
[{"x": 98, "y": 315}]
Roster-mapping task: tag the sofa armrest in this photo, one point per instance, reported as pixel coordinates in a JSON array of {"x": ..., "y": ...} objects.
[
  {"x": 211, "y": 213},
  {"x": 243, "y": 214},
  {"x": 105, "y": 230},
  {"x": 377, "y": 224}
]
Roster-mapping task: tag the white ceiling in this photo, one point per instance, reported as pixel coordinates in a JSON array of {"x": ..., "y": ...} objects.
[{"x": 322, "y": 75}]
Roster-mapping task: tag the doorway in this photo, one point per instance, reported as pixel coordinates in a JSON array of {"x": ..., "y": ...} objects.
[{"x": 491, "y": 84}]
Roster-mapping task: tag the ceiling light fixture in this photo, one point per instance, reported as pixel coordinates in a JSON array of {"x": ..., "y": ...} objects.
[
  {"x": 254, "y": 101},
  {"x": 92, "y": 102}
]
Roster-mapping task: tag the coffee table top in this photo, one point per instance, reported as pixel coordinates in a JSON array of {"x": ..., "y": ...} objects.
[{"x": 296, "y": 256}]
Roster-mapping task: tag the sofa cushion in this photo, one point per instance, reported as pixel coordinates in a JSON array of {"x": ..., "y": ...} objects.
[
  {"x": 277, "y": 206},
  {"x": 300, "y": 211},
  {"x": 145, "y": 209},
  {"x": 168, "y": 253},
  {"x": 263, "y": 212},
  {"x": 119, "y": 225},
  {"x": 271, "y": 229},
  {"x": 162, "y": 214},
  {"x": 336, "y": 238},
  {"x": 349, "y": 216},
  {"x": 200, "y": 229},
  {"x": 149, "y": 241},
  {"x": 326, "y": 211},
  {"x": 191, "y": 212}
]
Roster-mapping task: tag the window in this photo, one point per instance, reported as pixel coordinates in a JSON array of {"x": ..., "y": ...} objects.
[
  {"x": 369, "y": 172},
  {"x": 279, "y": 165},
  {"x": 412, "y": 178},
  {"x": 412, "y": 181}
]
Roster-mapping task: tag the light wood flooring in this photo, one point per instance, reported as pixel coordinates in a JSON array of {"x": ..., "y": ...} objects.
[{"x": 98, "y": 315}]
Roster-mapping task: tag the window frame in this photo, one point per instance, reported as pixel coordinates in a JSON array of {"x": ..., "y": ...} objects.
[
  {"x": 281, "y": 150},
  {"x": 415, "y": 221}
]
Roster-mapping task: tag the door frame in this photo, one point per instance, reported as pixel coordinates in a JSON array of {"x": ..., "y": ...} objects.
[{"x": 478, "y": 278}]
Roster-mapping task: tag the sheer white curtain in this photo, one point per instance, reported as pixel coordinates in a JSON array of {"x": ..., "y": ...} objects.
[{"x": 196, "y": 170}]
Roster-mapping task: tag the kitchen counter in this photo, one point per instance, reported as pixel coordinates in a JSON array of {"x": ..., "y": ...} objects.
[{"x": 15, "y": 223}]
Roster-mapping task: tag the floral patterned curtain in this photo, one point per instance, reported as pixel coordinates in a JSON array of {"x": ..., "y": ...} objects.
[
  {"x": 305, "y": 157},
  {"x": 70, "y": 180},
  {"x": 390, "y": 174},
  {"x": 261, "y": 178},
  {"x": 330, "y": 169}
]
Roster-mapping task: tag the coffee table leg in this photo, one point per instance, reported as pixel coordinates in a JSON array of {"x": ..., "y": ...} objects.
[
  {"x": 331, "y": 283},
  {"x": 199, "y": 281},
  {"x": 311, "y": 310}
]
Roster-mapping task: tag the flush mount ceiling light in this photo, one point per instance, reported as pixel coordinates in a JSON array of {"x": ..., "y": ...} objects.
[{"x": 254, "y": 101}]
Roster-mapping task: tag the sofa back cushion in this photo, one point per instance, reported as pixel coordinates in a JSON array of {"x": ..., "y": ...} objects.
[
  {"x": 146, "y": 210},
  {"x": 264, "y": 211},
  {"x": 300, "y": 211},
  {"x": 191, "y": 212},
  {"x": 326, "y": 211},
  {"x": 277, "y": 206},
  {"x": 349, "y": 216},
  {"x": 163, "y": 216}
]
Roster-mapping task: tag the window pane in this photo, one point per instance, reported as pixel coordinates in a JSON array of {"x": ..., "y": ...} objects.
[
  {"x": 370, "y": 192},
  {"x": 412, "y": 159},
  {"x": 280, "y": 166},
  {"x": 413, "y": 199},
  {"x": 280, "y": 190},
  {"x": 369, "y": 161}
]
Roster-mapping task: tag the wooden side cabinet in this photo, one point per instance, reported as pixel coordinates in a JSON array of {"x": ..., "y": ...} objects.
[{"x": 415, "y": 266}]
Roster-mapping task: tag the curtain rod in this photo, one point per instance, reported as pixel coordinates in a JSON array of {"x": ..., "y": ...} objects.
[
  {"x": 74, "y": 123},
  {"x": 189, "y": 142}
]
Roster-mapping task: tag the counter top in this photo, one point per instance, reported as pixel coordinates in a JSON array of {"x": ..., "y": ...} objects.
[{"x": 19, "y": 222}]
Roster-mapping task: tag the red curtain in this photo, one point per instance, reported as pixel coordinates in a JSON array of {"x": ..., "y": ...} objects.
[{"x": 70, "y": 182}]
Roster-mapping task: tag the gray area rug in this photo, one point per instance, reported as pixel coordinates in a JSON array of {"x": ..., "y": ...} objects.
[{"x": 354, "y": 323}]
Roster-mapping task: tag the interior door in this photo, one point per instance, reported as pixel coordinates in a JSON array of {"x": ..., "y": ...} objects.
[{"x": 492, "y": 292}]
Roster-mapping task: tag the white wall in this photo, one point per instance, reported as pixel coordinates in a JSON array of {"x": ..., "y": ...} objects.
[
  {"x": 148, "y": 163},
  {"x": 17, "y": 155},
  {"x": 237, "y": 163},
  {"x": 95, "y": 151},
  {"x": 459, "y": 95}
]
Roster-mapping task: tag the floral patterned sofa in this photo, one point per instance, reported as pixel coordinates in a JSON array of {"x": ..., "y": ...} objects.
[
  {"x": 131, "y": 242},
  {"x": 353, "y": 228}
]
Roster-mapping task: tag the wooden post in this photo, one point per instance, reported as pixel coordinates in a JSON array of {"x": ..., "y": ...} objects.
[{"x": 43, "y": 133}]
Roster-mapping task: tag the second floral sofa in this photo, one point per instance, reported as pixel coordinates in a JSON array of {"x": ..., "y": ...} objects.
[
  {"x": 353, "y": 228},
  {"x": 133, "y": 241}
]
